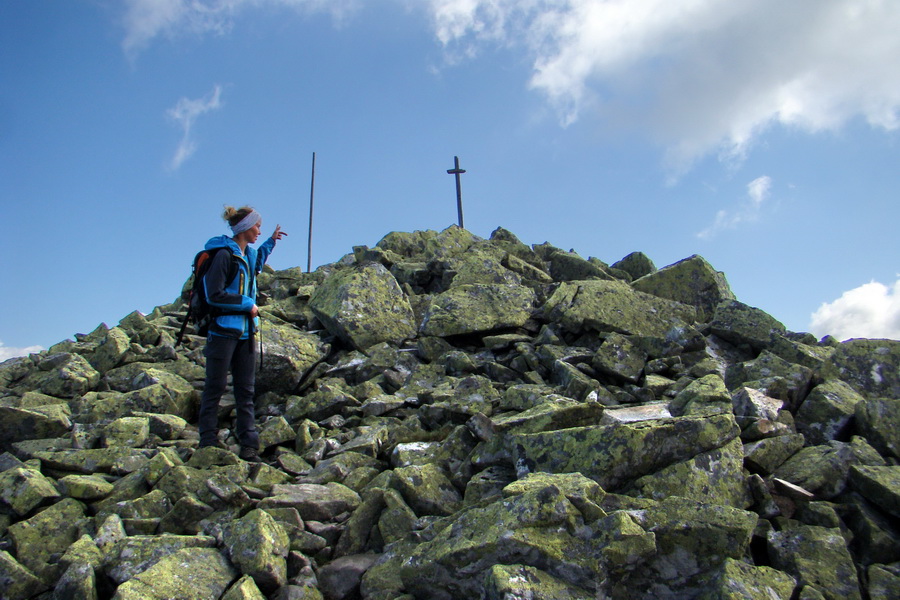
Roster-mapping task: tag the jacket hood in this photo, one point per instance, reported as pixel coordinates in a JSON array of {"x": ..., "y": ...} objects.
[{"x": 223, "y": 241}]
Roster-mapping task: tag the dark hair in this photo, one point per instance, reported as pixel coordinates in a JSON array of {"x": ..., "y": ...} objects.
[{"x": 234, "y": 215}]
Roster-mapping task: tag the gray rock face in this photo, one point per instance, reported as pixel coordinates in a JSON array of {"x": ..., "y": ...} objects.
[{"x": 444, "y": 416}]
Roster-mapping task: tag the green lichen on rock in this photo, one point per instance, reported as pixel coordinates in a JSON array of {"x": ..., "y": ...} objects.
[
  {"x": 195, "y": 574},
  {"x": 826, "y": 412},
  {"x": 878, "y": 419},
  {"x": 614, "y": 306},
  {"x": 258, "y": 547},
  {"x": 690, "y": 281},
  {"x": 738, "y": 580},
  {"x": 818, "y": 557},
  {"x": 288, "y": 354},
  {"x": 713, "y": 477},
  {"x": 502, "y": 582},
  {"x": 614, "y": 454},
  {"x": 364, "y": 306},
  {"x": 742, "y": 324},
  {"x": 477, "y": 308},
  {"x": 24, "y": 489},
  {"x": 872, "y": 367}
]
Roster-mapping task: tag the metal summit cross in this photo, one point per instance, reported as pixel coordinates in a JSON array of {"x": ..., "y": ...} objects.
[{"x": 457, "y": 171}]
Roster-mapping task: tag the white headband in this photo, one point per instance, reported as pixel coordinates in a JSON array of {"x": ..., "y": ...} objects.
[{"x": 246, "y": 223}]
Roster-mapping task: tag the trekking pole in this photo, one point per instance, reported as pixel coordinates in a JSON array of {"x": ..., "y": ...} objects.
[{"x": 312, "y": 189}]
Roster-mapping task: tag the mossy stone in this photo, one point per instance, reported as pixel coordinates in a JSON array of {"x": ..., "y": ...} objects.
[
  {"x": 364, "y": 306},
  {"x": 816, "y": 556},
  {"x": 691, "y": 281},
  {"x": 24, "y": 489},
  {"x": 477, "y": 308},
  {"x": 258, "y": 547},
  {"x": 614, "y": 454},
  {"x": 189, "y": 574},
  {"x": 870, "y": 366},
  {"x": 826, "y": 412},
  {"x": 502, "y": 582},
  {"x": 614, "y": 306}
]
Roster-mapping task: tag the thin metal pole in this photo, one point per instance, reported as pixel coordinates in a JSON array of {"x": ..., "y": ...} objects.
[
  {"x": 312, "y": 191},
  {"x": 457, "y": 171}
]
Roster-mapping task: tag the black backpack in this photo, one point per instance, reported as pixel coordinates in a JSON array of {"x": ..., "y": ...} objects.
[{"x": 199, "y": 313}]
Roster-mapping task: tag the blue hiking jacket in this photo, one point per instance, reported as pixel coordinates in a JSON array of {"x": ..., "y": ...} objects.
[{"x": 234, "y": 298}]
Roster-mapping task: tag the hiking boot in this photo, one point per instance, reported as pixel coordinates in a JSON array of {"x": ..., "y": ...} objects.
[{"x": 249, "y": 454}]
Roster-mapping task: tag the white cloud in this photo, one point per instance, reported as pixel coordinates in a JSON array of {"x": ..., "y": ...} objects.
[
  {"x": 758, "y": 192},
  {"x": 144, "y": 20},
  {"x": 868, "y": 311},
  {"x": 698, "y": 76},
  {"x": 7, "y": 352},
  {"x": 184, "y": 113}
]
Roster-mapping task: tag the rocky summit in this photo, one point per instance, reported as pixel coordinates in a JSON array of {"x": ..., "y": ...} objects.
[{"x": 444, "y": 417}]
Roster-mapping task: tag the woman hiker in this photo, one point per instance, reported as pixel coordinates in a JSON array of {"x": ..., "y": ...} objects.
[{"x": 229, "y": 345}]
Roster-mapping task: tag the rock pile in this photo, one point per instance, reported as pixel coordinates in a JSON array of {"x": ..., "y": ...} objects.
[{"x": 444, "y": 416}]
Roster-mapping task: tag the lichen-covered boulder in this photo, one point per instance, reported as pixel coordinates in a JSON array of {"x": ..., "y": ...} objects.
[
  {"x": 78, "y": 581},
  {"x": 19, "y": 424},
  {"x": 884, "y": 581},
  {"x": 111, "y": 350},
  {"x": 25, "y": 489},
  {"x": 690, "y": 281},
  {"x": 530, "y": 529},
  {"x": 127, "y": 432},
  {"x": 739, "y": 323},
  {"x": 364, "y": 306},
  {"x": 189, "y": 574},
  {"x": 244, "y": 589},
  {"x": 45, "y": 536},
  {"x": 817, "y": 557},
  {"x": 738, "y": 580},
  {"x": 95, "y": 460},
  {"x": 314, "y": 502},
  {"x": 64, "y": 375},
  {"x": 606, "y": 306},
  {"x": 614, "y": 454},
  {"x": 707, "y": 395},
  {"x": 765, "y": 455},
  {"x": 636, "y": 264},
  {"x": 288, "y": 354},
  {"x": 878, "y": 420},
  {"x": 692, "y": 539},
  {"x": 826, "y": 412},
  {"x": 620, "y": 357},
  {"x": 582, "y": 492},
  {"x": 502, "y": 582},
  {"x": 258, "y": 547},
  {"x": 482, "y": 263},
  {"x": 477, "y": 308},
  {"x": 872, "y": 367},
  {"x": 823, "y": 469},
  {"x": 16, "y": 581},
  {"x": 556, "y": 412},
  {"x": 134, "y": 554},
  {"x": 568, "y": 266},
  {"x": 880, "y": 485},
  {"x": 428, "y": 490},
  {"x": 713, "y": 477},
  {"x": 85, "y": 487}
]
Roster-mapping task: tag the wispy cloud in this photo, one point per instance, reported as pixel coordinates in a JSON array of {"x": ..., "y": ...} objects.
[
  {"x": 748, "y": 210},
  {"x": 7, "y": 352},
  {"x": 184, "y": 113},
  {"x": 700, "y": 77},
  {"x": 871, "y": 310},
  {"x": 145, "y": 20}
]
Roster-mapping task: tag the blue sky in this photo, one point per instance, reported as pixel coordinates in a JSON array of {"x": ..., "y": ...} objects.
[{"x": 761, "y": 135}]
